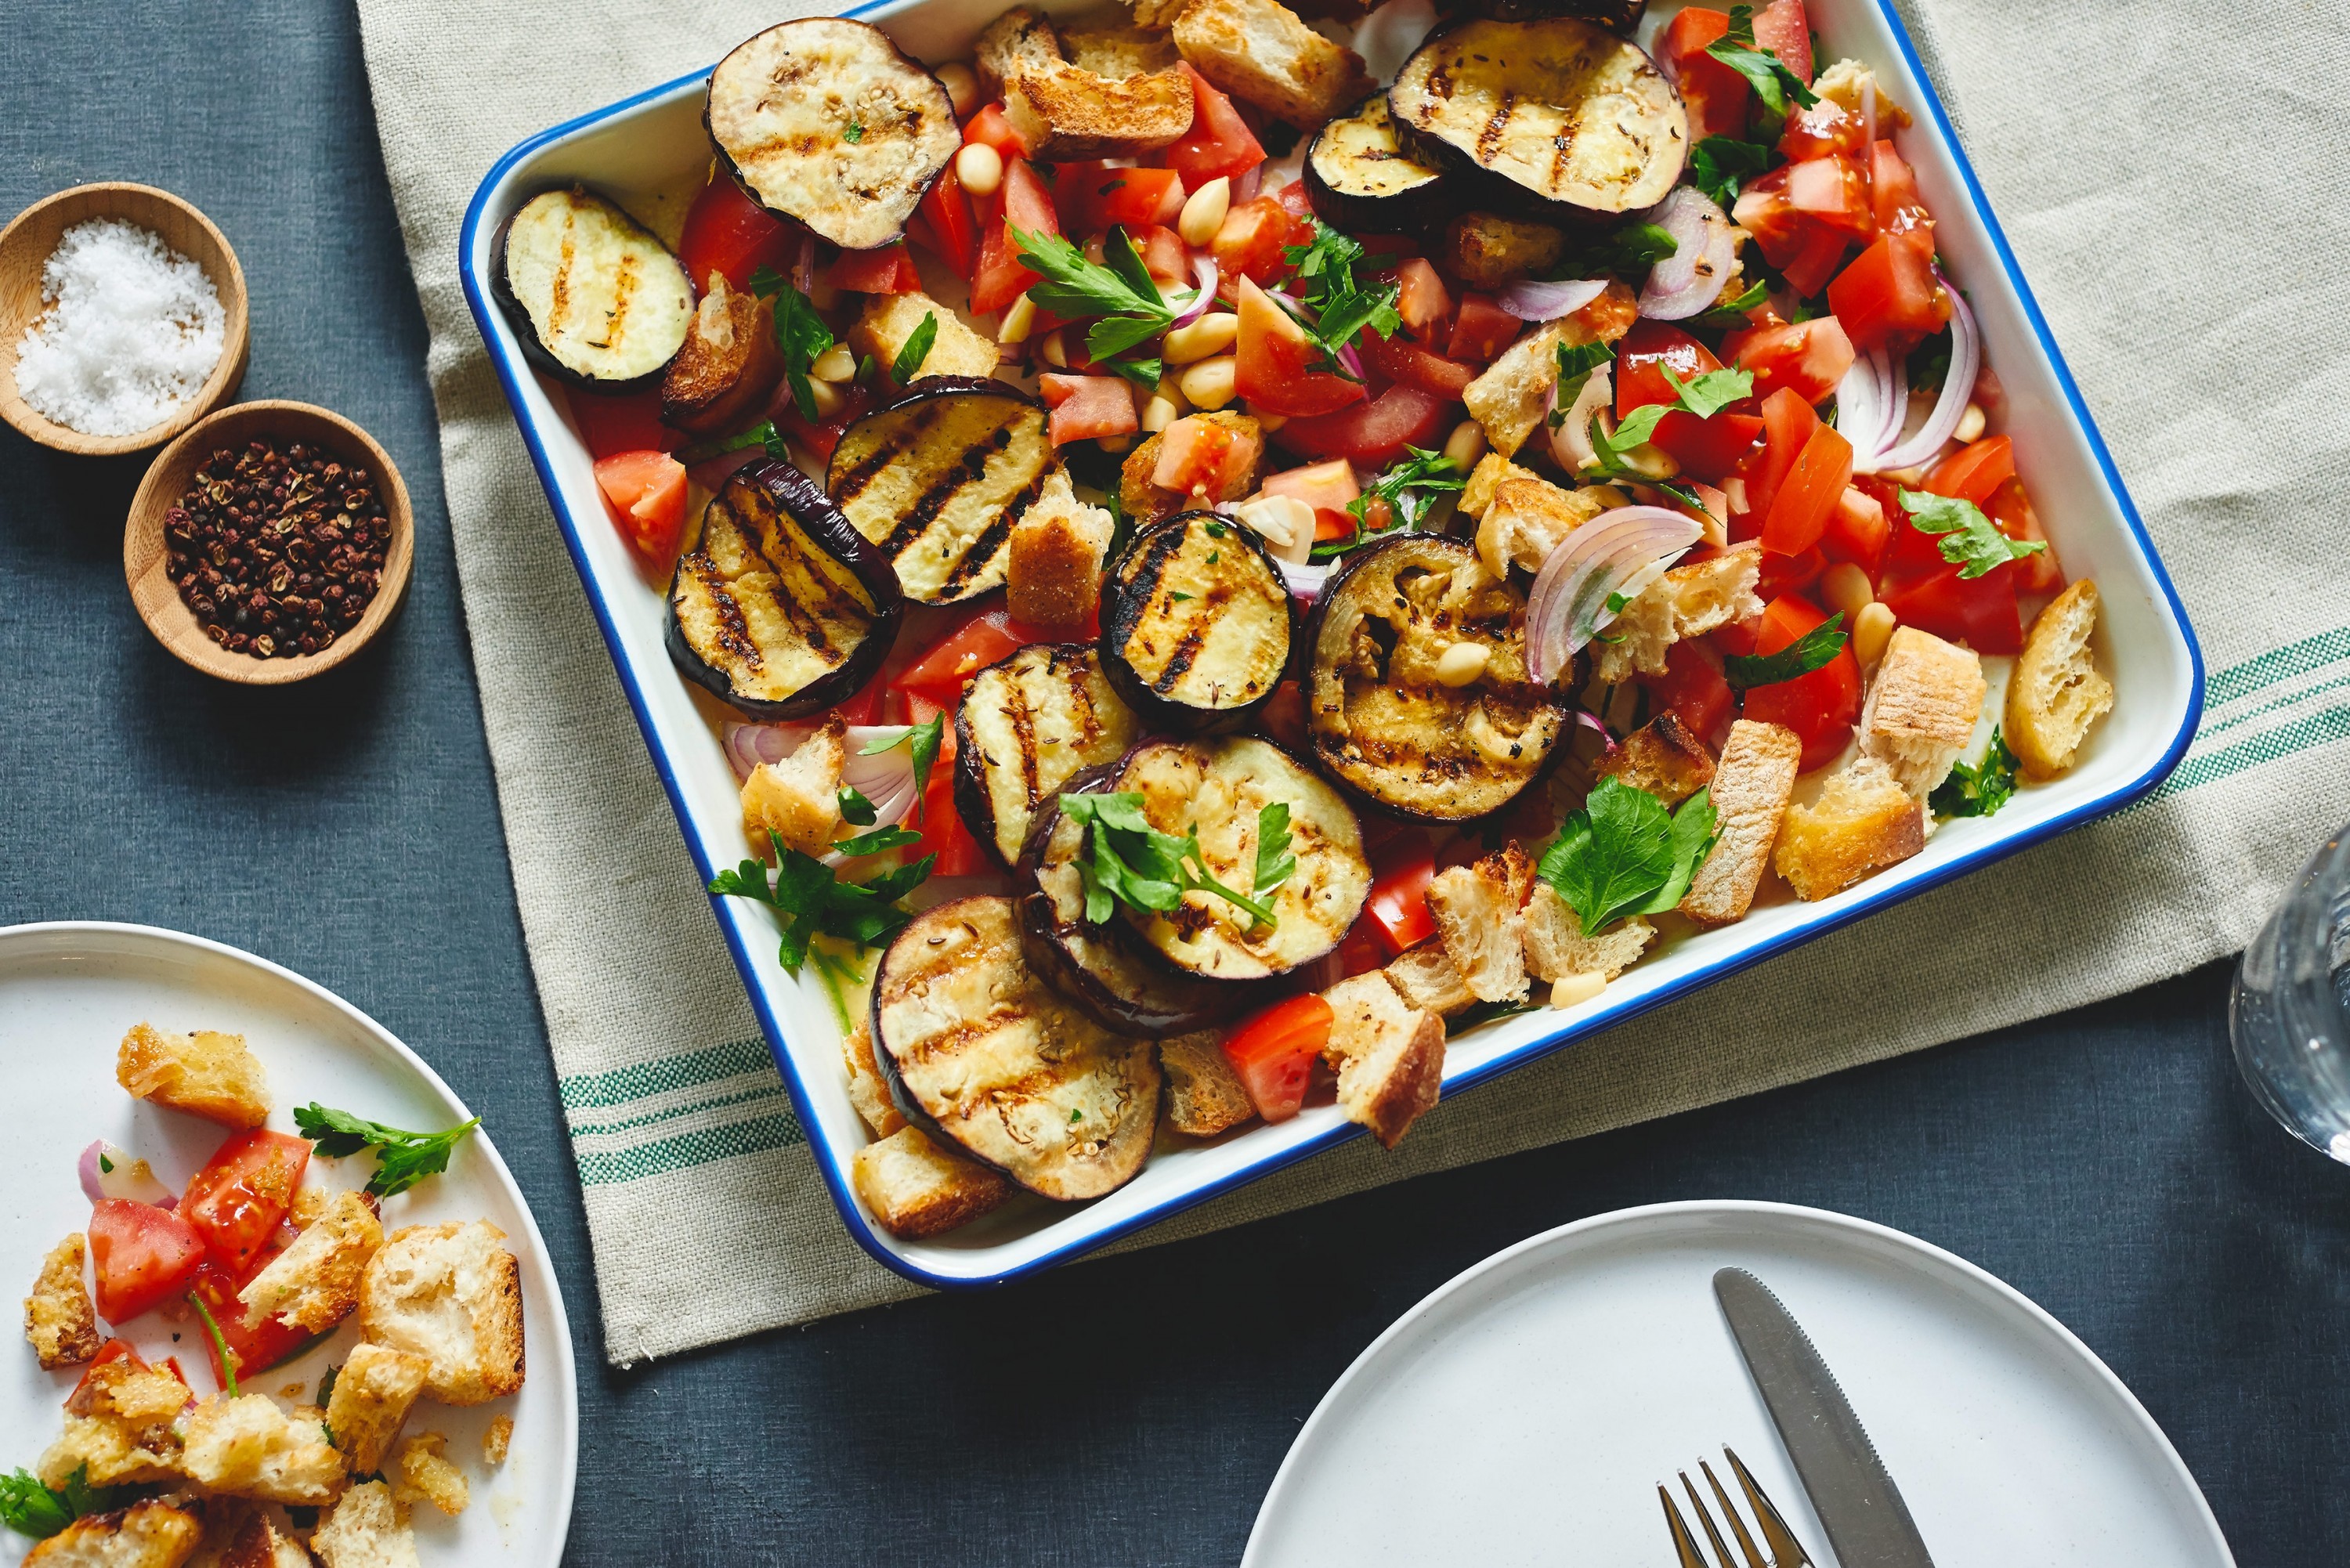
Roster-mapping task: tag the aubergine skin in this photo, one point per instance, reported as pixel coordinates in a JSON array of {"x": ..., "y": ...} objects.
[
  {"x": 795, "y": 494},
  {"x": 1126, "y": 597},
  {"x": 1618, "y": 17},
  {"x": 1420, "y": 209}
]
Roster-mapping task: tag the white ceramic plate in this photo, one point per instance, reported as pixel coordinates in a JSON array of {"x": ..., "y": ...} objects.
[
  {"x": 652, "y": 153},
  {"x": 67, "y": 993},
  {"x": 1526, "y": 1411}
]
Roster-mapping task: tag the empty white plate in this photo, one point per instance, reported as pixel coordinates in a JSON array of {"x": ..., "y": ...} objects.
[
  {"x": 67, "y": 993},
  {"x": 1525, "y": 1412}
]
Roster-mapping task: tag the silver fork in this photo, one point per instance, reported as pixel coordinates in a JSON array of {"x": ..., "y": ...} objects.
[{"x": 1786, "y": 1552}]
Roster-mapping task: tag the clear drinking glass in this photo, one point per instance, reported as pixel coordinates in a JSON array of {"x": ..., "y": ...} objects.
[{"x": 2289, "y": 1013}]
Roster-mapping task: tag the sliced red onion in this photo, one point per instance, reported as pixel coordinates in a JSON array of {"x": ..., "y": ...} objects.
[
  {"x": 886, "y": 778},
  {"x": 804, "y": 267},
  {"x": 1352, "y": 361},
  {"x": 1306, "y": 579},
  {"x": 1247, "y": 188},
  {"x": 1860, "y": 408},
  {"x": 130, "y": 1179},
  {"x": 1958, "y": 388},
  {"x": 1620, "y": 551},
  {"x": 1570, "y": 440},
  {"x": 1591, "y": 721},
  {"x": 1691, "y": 278},
  {"x": 1549, "y": 301},
  {"x": 1204, "y": 269}
]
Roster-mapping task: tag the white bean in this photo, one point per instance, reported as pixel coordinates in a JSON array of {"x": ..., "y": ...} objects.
[
  {"x": 1211, "y": 334},
  {"x": 1872, "y": 628},
  {"x": 1467, "y": 445},
  {"x": 838, "y": 363},
  {"x": 1204, "y": 209},
  {"x": 1574, "y": 990},
  {"x": 1157, "y": 414},
  {"x": 980, "y": 167},
  {"x": 1970, "y": 425},
  {"x": 1846, "y": 587},
  {"x": 1019, "y": 316},
  {"x": 1210, "y": 383}
]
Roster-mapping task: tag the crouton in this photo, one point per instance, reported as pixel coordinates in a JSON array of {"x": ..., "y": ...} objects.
[
  {"x": 1477, "y": 919},
  {"x": 1841, "y": 85},
  {"x": 1018, "y": 40},
  {"x": 917, "y": 1189},
  {"x": 373, "y": 1393},
  {"x": 1687, "y": 601},
  {"x": 1390, "y": 1055},
  {"x": 1146, "y": 502},
  {"x": 1261, "y": 53},
  {"x": 250, "y": 1447},
  {"x": 889, "y": 320},
  {"x": 1118, "y": 52},
  {"x": 1204, "y": 1096},
  {"x": 1067, "y": 112},
  {"x": 204, "y": 1074},
  {"x": 1054, "y": 581},
  {"x": 425, "y": 1477},
  {"x": 1751, "y": 783},
  {"x": 798, "y": 799},
  {"x": 1921, "y": 708},
  {"x": 156, "y": 1534},
  {"x": 1555, "y": 946},
  {"x": 497, "y": 1438},
  {"x": 1508, "y": 400},
  {"x": 1426, "y": 977},
  {"x": 237, "y": 1534},
  {"x": 1661, "y": 757},
  {"x": 453, "y": 1295},
  {"x": 728, "y": 362},
  {"x": 2056, "y": 693},
  {"x": 867, "y": 1091},
  {"x": 364, "y": 1531},
  {"x": 1863, "y": 822},
  {"x": 1487, "y": 251},
  {"x": 120, "y": 1426},
  {"x": 314, "y": 1283},
  {"x": 1486, "y": 482},
  {"x": 59, "y": 1318},
  {"x": 1157, "y": 13},
  {"x": 1526, "y": 518}
]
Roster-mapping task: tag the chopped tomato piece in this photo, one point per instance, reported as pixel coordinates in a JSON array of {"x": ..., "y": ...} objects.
[
  {"x": 1810, "y": 357},
  {"x": 1421, "y": 298},
  {"x": 1717, "y": 97},
  {"x": 1790, "y": 574},
  {"x": 1925, "y": 591},
  {"x": 255, "y": 1349},
  {"x": 1274, "y": 1052},
  {"x": 1324, "y": 486},
  {"x": 1708, "y": 449},
  {"x": 1283, "y": 714},
  {"x": 1692, "y": 688},
  {"x": 1782, "y": 28},
  {"x": 1253, "y": 236},
  {"x": 1086, "y": 408},
  {"x": 243, "y": 1193},
  {"x": 1329, "y": 523},
  {"x": 1375, "y": 433},
  {"x": 1973, "y": 473},
  {"x": 1643, "y": 357},
  {"x": 820, "y": 436},
  {"x": 1482, "y": 331},
  {"x": 1201, "y": 458},
  {"x": 1397, "y": 908},
  {"x": 2010, "y": 508},
  {"x": 142, "y": 1254},
  {"x": 1362, "y": 951},
  {"x": 1807, "y": 497},
  {"x": 1273, "y": 352},
  {"x": 1788, "y": 423},
  {"x": 962, "y": 653},
  {"x": 729, "y": 233},
  {"x": 1899, "y": 206},
  {"x": 1027, "y": 207},
  {"x": 1401, "y": 359},
  {"x": 1164, "y": 255},
  {"x": 644, "y": 492},
  {"x": 1092, "y": 196},
  {"x": 993, "y": 127},
  {"x": 889, "y": 270},
  {"x": 1856, "y": 531},
  {"x": 943, "y": 833},
  {"x": 1834, "y": 194},
  {"x": 1219, "y": 145},
  {"x": 954, "y": 232},
  {"x": 1809, "y": 270},
  {"x": 624, "y": 421},
  {"x": 1889, "y": 292},
  {"x": 1821, "y": 707}
]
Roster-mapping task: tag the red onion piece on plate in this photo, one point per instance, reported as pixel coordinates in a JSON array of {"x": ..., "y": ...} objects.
[
  {"x": 1203, "y": 268},
  {"x": 1307, "y": 580},
  {"x": 1549, "y": 301},
  {"x": 1957, "y": 389},
  {"x": 1570, "y": 440},
  {"x": 1620, "y": 551},
  {"x": 1691, "y": 278},
  {"x": 886, "y": 778},
  {"x": 130, "y": 1179}
]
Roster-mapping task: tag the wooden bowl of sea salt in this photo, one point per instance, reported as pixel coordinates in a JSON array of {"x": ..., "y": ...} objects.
[{"x": 125, "y": 329}]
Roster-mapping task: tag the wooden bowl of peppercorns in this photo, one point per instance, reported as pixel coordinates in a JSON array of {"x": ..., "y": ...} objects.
[{"x": 269, "y": 543}]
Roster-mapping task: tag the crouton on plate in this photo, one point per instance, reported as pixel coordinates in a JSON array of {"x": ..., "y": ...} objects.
[
  {"x": 1261, "y": 53},
  {"x": 1145, "y": 501},
  {"x": 1054, "y": 581},
  {"x": 2056, "y": 692},
  {"x": 373, "y": 1393},
  {"x": 1426, "y": 977},
  {"x": 1689, "y": 600},
  {"x": 1661, "y": 757},
  {"x": 1525, "y": 518},
  {"x": 917, "y": 1189},
  {"x": 1921, "y": 708},
  {"x": 250, "y": 1447},
  {"x": 866, "y": 1090},
  {"x": 155, "y": 1533},
  {"x": 204, "y": 1074},
  {"x": 890, "y": 322},
  {"x": 453, "y": 1295},
  {"x": 60, "y": 1320},
  {"x": 1863, "y": 822},
  {"x": 314, "y": 1283},
  {"x": 1508, "y": 400},
  {"x": 1751, "y": 784},
  {"x": 798, "y": 799},
  {"x": 366, "y": 1529},
  {"x": 426, "y": 1476},
  {"x": 1390, "y": 1055},
  {"x": 1491, "y": 252},
  {"x": 1204, "y": 1095},
  {"x": 1556, "y": 947},
  {"x": 1476, "y": 909}
]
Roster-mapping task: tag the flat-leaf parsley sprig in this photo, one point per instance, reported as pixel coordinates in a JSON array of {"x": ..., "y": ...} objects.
[
  {"x": 1970, "y": 541},
  {"x": 1116, "y": 294},
  {"x": 1127, "y": 861},
  {"x": 921, "y": 741},
  {"x": 1623, "y": 854},
  {"x": 814, "y": 902},
  {"x": 1405, "y": 494},
  {"x": 1814, "y": 650},
  {"x": 1978, "y": 789},
  {"x": 1342, "y": 308},
  {"x": 1774, "y": 82},
  {"x": 800, "y": 332},
  {"x": 402, "y": 1159}
]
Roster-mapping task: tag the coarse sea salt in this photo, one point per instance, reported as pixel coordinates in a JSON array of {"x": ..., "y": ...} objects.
[{"x": 131, "y": 331}]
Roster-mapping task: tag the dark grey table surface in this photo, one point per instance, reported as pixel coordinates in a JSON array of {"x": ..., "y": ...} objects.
[{"x": 2106, "y": 1162}]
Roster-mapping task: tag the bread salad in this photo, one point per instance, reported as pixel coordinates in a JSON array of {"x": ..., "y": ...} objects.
[
  {"x": 253, "y": 1264},
  {"x": 1216, "y": 574}
]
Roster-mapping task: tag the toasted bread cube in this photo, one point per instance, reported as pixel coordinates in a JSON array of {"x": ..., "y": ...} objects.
[
  {"x": 1556, "y": 947},
  {"x": 1054, "y": 581},
  {"x": 366, "y": 1531},
  {"x": 424, "y": 1476},
  {"x": 59, "y": 1318},
  {"x": 889, "y": 320},
  {"x": 917, "y": 1189},
  {"x": 1118, "y": 52},
  {"x": 1390, "y": 1055},
  {"x": 1751, "y": 784},
  {"x": 314, "y": 1283},
  {"x": 1426, "y": 977},
  {"x": 1157, "y": 13},
  {"x": 497, "y": 1438},
  {"x": 867, "y": 1091},
  {"x": 1204, "y": 1095},
  {"x": 373, "y": 1393},
  {"x": 728, "y": 362},
  {"x": 1509, "y": 399},
  {"x": 1145, "y": 501},
  {"x": 453, "y": 1295},
  {"x": 1478, "y": 918},
  {"x": 109, "y": 1453},
  {"x": 155, "y": 1533},
  {"x": 799, "y": 797},
  {"x": 1526, "y": 518},
  {"x": 1863, "y": 822},
  {"x": 1490, "y": 252},
  {"x": 1687, "y": 601},
  {"x": 239, "y": 1535},
  {"x": 1067, "y": 112},
  {"x": 250, "y": 1447},
  {"x": 2056, "y": 693},
  {"x": 205, "y": 1074},
  {"x": 1661, "y": 757},
  {"x": 1262, "y": 53},
  {"x": 1841, "y": 84},
  {"x": 1485, "y": 483},
  {"x": 1921, "y": 708},
  {"x": 1016, "y": 41}
]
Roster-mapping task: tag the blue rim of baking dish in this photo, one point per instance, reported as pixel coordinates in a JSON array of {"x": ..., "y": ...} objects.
[{"x": 512, "y": 372}]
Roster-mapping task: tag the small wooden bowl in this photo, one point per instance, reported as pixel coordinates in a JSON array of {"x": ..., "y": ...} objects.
[
  {"x": 145, "y": 560},
  {"x": 25, "y": 246}
]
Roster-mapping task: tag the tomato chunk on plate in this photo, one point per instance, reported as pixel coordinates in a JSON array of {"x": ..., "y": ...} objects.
[
  {"x": 644, "y": 494},
  {"x": 1274, "y": 1052},
  {"x": 1821, "y": 707},
  {"x": 242, "y": 1195},
  {"x": 142, "y": 1254}
]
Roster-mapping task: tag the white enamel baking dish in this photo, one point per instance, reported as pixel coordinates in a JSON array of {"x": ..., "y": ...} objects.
[{"x": 651, "y": 149}]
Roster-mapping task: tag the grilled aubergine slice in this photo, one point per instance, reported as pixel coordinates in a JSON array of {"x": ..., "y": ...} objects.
[
  {"x": 1218, "y": 787},
  {"x": 1559, "y": 109},
  {"x": 1360, "y": 177},
  {"x": 1096, "y": 967},
  {"x": 937, "y": 478},
  {"x": 1024, "y": 728},
  {"x": 778, "y": 606},
  {"x": 1620, "y": 17},
  {"x": 1197, "y": 624},
  {"x": 596, "y": 300},
  {"x": 1379, "y": 719},
  {"x": 826, "y": 122},
  {"x": 977, "y": 1049}
]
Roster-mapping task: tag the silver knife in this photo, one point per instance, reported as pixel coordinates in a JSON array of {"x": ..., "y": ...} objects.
[{"x": 1858, "y": 1505}]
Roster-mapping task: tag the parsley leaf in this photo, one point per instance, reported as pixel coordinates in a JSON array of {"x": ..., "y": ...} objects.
[
  {"x": 764, "y": 434},
  {"x": 1274, "y": 863},
  {"x": 1478, "y": 1012},
  {"x": 814, "y": 902},
  {"x": 1627, "y": 251},
  {"x": 1129, "y": 862},
  {"x": 1775, "y": 85},
  {"x": 1118, "y": 294},
  {"x": 1732, "y": 313},
  {"x": 916, "y": 349},
  {"x": 1816, "y": 648},
  {"x": 1622, "y": 854},
  {"x": 855, "y": 133},
  {"x": 1410, "y": 488},
  {"x": 1704, "y": 396},
  {"x": 855, "y": 809},
  {"x": 1576, "y": 364},
  {"x": 800, "y": 332},
  {"x": 1720, "y": 163},
  {"x": 402, "y": 1159},
  {"x": 1341, "y": 309},
  {"x": 28, "y": 1508},
  {"x": 1981, "y": 789},
  {"x": 1970, "y": 541},
  {"x": 327, "y": 1386},
  {"x": 921, "y": 741}
]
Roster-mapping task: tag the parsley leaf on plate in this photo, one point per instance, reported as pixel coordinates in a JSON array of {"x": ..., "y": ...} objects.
[
  {"x": 28, "y": 1508},
  {"x": 1704, "y": 396},
  {"x": 1628, "y": 252},
  {"x": 921, "y": 743},
  {"x": 916, "y": 349},
  {"x": 800, "y": 332},
  {"x": 1773, "y": 83},
  {"x": 764, "y": 434},
  {"x": 1127, "y": 861},
  {"x": 1732, "y": 313},
  {"x": 1970, "y": 541},
  {"x": 402, "y": 1159},
  {"x": 1411, "y": 489},
  {"x": 855, "y": 809},
  {"x": 1981, "y": 789},
  {"x": 1623, "y": 854},
  {"x": 1718, "y": 164},
  {"x": 1275, "y": 862},
  {"x": 1575, "y": 363},
  {"x": 813, "y": 901},
  {"x": 1341, "y": 309},
  {"x": 1816, "y": 648},
  {"x": 1116, "y": 294},
  {"x": 227, "y": 1358}
]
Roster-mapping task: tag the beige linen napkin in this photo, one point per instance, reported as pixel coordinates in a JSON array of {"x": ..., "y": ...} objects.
[{"x": 2188, "y": 257}]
